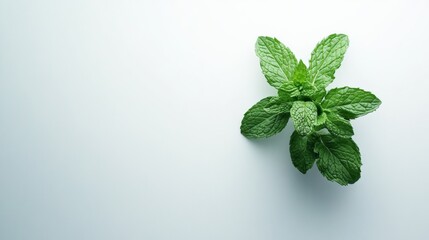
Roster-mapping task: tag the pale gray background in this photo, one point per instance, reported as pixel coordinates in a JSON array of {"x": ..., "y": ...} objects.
[{"x": 120, "y": 120}]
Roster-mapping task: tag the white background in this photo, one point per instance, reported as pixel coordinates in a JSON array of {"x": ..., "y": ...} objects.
[{"x": 120, "y": 120}]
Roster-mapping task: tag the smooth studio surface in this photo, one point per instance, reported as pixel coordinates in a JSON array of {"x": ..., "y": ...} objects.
[{"x": 120, "y": 120}]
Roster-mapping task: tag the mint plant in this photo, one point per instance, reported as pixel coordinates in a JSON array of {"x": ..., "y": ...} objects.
[{"x": 323, "y": 133}]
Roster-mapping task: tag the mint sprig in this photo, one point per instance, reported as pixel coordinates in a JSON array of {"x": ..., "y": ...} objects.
[{"x": 323, "y": 132}]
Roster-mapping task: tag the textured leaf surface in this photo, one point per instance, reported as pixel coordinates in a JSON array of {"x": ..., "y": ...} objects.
[
  {"x": 278, "y": 105},
  {"x": 321, "y": 119},
  {"x": 309, "y": 90},
  {"x": 318, "y": 95},
  {"x": 304, "y": 115},
  {"x": 259, "y": 123},
  {"x": 276, "y": 60},
  {"x": 326, "y": 58},
  {"x": 302, "y": 151},
  {"x": 288, "y": 90},
  {"x": 350, "y": 102},
  {"x": 339, "y": 126},
  {"x": 339, "y": 159},
  {"x": 301, "y": 78}
]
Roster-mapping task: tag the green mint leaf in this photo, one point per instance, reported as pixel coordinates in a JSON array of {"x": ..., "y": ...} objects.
[
  {"x": 259, "y": 123},
  {"x": 339, "y": 159},
  {"x": 276, "y": 60},
  {"x": 300, "y": 75},
  {"x": 302, "y": 151},
  {"x": 350, "y": 102},
  {"x": 304, "y": 116},
  {"x": 339, "y": 126},
  {"x": 321, "y": 119},
  {"x": 326, "y": 58},
  {"x": 278, "y": 105},
  {"x": 301, "y": 79},
  {"x": 315, "y": 94},
  {"x": 309, "y": 90},
  {"x": 288, "y": 90}
]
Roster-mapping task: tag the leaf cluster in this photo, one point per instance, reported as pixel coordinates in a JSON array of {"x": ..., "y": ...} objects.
[{"x": 323, "y": 132}]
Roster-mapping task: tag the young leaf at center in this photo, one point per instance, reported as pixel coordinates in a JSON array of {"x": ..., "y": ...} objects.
[{"x": 304, "y": 116}]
